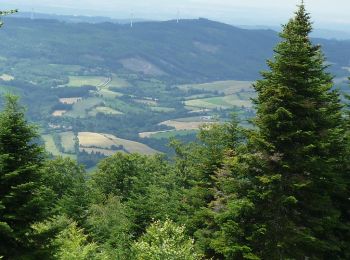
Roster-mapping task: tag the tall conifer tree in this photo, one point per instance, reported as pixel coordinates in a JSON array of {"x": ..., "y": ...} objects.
[
  {"x": 20, "y": 159},
  {"x": 280, "y": 198}
]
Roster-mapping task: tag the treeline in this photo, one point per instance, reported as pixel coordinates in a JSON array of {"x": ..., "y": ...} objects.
[{"x": 279, "y": 190}]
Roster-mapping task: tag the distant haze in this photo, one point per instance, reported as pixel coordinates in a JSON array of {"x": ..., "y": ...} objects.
[{"x": 326, "y": 14}]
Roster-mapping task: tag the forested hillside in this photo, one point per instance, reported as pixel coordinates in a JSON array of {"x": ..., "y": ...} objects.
[
  {"x": 276, "y": 188},
  {"x": 96, "y": 89},
  {"x": 191, "y": 50}
]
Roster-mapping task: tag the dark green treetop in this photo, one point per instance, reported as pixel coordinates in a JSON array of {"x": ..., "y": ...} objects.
[
  {"x": 280, "y": 204},
  {"x": 20, "y": 160}
]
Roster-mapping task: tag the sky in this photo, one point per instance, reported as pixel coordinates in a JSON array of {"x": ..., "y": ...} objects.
[{"x": 325, "y": 13}]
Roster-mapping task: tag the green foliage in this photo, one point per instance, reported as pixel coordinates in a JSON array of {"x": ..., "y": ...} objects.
[
  {"x": 277, "y": 192},
  {"x": 20, "y": 162},
  {"x": 165, "y": 240},
  {"x": 109, "y": 225},
  {"x": 73, "y": 244},
  {"x": 196, "y": 165},
  {"x": 65, "y": 182},
  {"x": 146, "y": 186}
]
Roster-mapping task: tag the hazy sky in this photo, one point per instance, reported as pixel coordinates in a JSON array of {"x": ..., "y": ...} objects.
[{"x": 325, "y": 13}]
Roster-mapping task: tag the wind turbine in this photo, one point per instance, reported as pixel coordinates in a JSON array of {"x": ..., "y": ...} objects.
[{"x": 132, "y": 20}]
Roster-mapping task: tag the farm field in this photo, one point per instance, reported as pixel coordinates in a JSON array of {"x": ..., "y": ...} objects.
[
  {"x": 79, "y": 81},
  {"x": 107, "y": 141},
  {"x": 66, "y": 68},
  {"x": 106, "y": 93},
  {"x": 178, "y": 125},
  {"x": 6, "y": 77},
  {"x": 70, "y": 101},
  {"x": 104, "y": 110},
  {"x": 223, "y": 87},
  {"x": 225, "y": 102},
  {"x": 82, "y": 108},
  {"x": 58, "y": 113},
  {"x": 52, "y": 148},
  {"x": 118, "y": 82},
  {"x": 68, "y": 141},
  {"x": 166, "y": 134},
  {"x": 163, "y": 109},
  {"x": 146, "y": 102}
]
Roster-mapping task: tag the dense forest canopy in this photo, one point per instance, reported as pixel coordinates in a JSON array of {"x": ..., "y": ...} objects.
[{"x": 278, "y": 189}]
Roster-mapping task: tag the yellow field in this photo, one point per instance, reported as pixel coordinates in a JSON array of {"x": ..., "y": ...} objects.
[
  {"x": 106, "y": 141},
  {"x": 6, "y": 77},
  {"x": 59, "y": 112}
]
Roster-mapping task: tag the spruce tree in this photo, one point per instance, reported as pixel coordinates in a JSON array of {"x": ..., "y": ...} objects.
[
  {"x": 20, "y": 159},
  {"x": 279, "y": 197}
]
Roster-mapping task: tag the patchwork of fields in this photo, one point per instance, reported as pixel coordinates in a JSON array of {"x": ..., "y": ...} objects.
[
  {"x": 90, "y": 142},
  {"x": 109, "y": 99},
  {"x": 141, "y": 107}
]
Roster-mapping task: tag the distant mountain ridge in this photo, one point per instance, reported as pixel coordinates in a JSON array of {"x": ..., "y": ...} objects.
[
  {"x": 317, "y": 32},
  {"x": 75, "y": 18},
  {"x": 189, "y": 51}
]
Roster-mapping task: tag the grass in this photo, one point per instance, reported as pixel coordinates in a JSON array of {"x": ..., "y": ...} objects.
[
  {"x": 162, "y": 109},
  {"x": 104, "y": 110},
  {"x": 184, "y": 125},
  {"x": 106, "y": 141},
  {"x": 146, "y": 102},
  {"x": 194, "y": 119},
  {"x": 66, "y": 68},
  {"x": 225, "y": 102},
  {"x": 122, "y": 106},
  {"x": 170, "y": 134},
  {"x": 118, "y": 82},
  {"x": 82, "y": 108},
  {"x": 68, "y": 140},
  {"x": 224, "y": 87},
  {"x": 52, "y": 148},
  {"x": 7, "y": 89},
  {"x": 79, "y": 81},
  {"x": 106, "y": 93}
]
